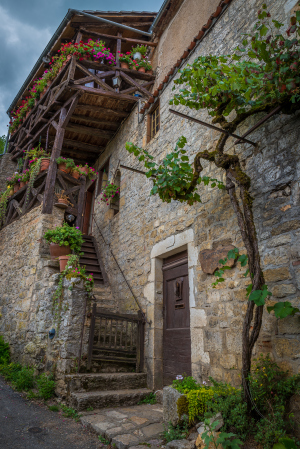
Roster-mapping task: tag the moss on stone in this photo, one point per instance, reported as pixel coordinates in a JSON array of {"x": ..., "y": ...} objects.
[{"x": 182, "y": 406}]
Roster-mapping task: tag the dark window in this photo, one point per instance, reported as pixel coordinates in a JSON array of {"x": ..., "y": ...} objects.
[
  {"x": 153, "y": 123},
  {"x": 103, "y": 177}
]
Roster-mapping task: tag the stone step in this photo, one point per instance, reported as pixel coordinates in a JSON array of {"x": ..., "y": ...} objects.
[
  {"x": 99, "y": 399},
  {"x": 127, "y": 427},
  {"x": 105, "y": 381}
]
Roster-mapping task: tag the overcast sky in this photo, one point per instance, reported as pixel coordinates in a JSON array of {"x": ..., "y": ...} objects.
[{"x": 27, "y": 26}]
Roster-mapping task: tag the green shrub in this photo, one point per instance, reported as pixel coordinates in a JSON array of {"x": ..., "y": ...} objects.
[
  {"x": 149, "y": 399},
  {"x": 70, "y": 412},
  {"x": 185, "y": 384},
  {"x": 178, "y": 432},
  {"x": 24, "y": 379},
  {"x": 4, "y": 351},
  {"x": 46, "y": 386},
  {"x": 53, "y": 408},
  {"x": 10, "y": 371},
  {"x": 65, "y": 235}
]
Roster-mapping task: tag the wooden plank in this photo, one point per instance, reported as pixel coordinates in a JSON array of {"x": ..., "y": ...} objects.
[
  {"x": 85, "y": 80},
  {"x": 91, "y": 337},
  {"x": 83, "y": 146},
  {"x": 80, "y": 205},
  {"x": 134, "y": 73},
  {"x": 98, "y": 25},
  {"x": 133, "y": 89},
  {"x": 16, "y": 206},
  {"x": 51, "y": 175},
  {"x": 124, "y": 39},
  {"x": 96, "y": 121},
  {"x": 65, "y": 188},
  {"x": 138, "y": 86},
  {"x": 104, "y": 275},
  {"x": 85, "y": 156},
  {"x": 102, "y": 93},
  {"x": 70, "y": 111},
  {"x": 104, "y": 110},
  {"x": 95, "y": 78},
  {"x": 89, "y": 131}
]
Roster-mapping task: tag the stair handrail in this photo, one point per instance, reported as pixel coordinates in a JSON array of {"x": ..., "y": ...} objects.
[{"x": 144, "y": 319}]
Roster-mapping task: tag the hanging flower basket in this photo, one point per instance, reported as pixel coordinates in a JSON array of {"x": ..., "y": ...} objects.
[{"x": 45, "y": 162}]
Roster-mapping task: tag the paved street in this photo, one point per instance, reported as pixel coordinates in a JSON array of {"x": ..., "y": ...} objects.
[{"x": 27, "y": 425}]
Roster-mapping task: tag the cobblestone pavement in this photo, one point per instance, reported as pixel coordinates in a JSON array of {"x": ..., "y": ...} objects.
[
  {"x": 127, "y": 426},
  {"x": 27, "y": 425}
]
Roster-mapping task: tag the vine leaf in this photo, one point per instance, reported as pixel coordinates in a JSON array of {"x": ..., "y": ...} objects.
[
  {"x": 259, "y": 296},
  {"x": 283, "y": 309}
]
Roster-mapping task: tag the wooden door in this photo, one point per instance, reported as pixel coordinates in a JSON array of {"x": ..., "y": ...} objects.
[
  {"x": 176, "y": 330},
  {"x": 88, "y": 209}
]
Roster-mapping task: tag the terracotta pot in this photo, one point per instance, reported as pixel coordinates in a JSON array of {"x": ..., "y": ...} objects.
[
  {"x": 85, "y": 170},
  {"x": 75, "y": 174},
  {"x": 45, "y": 164},
  {"x": 16, "y": 187},
  {"x": 69, "y": 57},
  {"x": 124, "y": 65},
  {"x": 142, "y": 69},
  {"x": 48, "y": 83},
  {"x": 62, "y": 201},
  {"x": 63, "y": 260},
  {"x": 56, "y": 250},
  {"x": 134, "y": 68},
  {"x": 64, "y": 168},
  {"x": 22, "y": 184}
]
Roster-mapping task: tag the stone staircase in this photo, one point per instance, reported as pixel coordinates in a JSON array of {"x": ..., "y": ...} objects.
[
  {"x": 90, "y": 259},
  {"x": 99, "y": 390}
]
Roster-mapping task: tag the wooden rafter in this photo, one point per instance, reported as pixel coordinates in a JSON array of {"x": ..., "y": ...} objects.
[
  {"x": 93, "y": 108},
  {"x": 138, "y": 86},
  {"x": 83, "y": 145},
  {"x": 103, "y": 93},
  {"x": 89, "y": 131},
  {"x": 96, "y": 121},
  {"x": 124, "y": 39},
  {"x": 96, "y": 78}
]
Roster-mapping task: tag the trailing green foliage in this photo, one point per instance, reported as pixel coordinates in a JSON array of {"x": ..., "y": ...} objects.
[
  {"x": 259, "y": 296},
  {"x": 24, "y": 379},
  {"x": 173, "y": 177},
  {"x": 103, "y": 440},
  {"x": 2, "y": 143},
  {"x": 70, "y": 412},
  {"x": 265, "y": 69},
  {"x": 53, "y": 408},
  {"x": 65, "y": 235}
]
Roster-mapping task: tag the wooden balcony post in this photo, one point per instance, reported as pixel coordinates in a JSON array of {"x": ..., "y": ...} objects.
[
  {"x": 119, "y": 43},
  {"x": 80, "y": 207},
  {"x": 51, "y": 175}
]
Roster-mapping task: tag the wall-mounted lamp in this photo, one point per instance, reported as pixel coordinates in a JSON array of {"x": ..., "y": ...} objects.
[
  {"x": 116, "y": 81},
  {"x": 51, "y": 334}
]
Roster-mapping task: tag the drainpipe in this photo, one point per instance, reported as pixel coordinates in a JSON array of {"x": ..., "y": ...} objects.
[
  {"x": 6, "y": 143},
  {"x": 159, "y": 14}
]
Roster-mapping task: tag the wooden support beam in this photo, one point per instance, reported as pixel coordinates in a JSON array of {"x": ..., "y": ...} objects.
[
  {"x": 72, "y": 108},
  {"x": 82, "y": 155},
  {"x": 102, "y": 93},
  {"x": 99, "y": 109},
  {"x": 133, "y": 89},
  {"x": 96, "y": 121},
  {"x": 138, "y": 86},
  {"x": 83, "y": 146},
  {"x": 80, "y": 129},
  {"x": 134, "y": 73},
  {"x": 51, "y": 175},
  {"x": 80, "y": 206},
  {"x": 95, "y": 78},
  {"x": 124, "y": 39}
]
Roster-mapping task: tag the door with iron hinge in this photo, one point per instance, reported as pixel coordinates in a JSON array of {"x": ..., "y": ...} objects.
[{"x": 176, "y": 316}]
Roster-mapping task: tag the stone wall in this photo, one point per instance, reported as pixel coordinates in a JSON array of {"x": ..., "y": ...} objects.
[
  {"x": 7, "y": 169},
  {"x": 28, "y": 278},
  {"x": 145, "y": 230}
]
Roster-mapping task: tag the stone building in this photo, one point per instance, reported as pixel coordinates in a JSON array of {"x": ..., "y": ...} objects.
[{"x": 150, "y": 251}]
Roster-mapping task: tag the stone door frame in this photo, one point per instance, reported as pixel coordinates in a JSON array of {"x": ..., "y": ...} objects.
[{"x": 153, "y": 293}]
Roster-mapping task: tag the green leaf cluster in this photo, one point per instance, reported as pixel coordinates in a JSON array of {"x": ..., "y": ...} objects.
[
  {"x": 172, "y": 179},
  {"x": 65, "y": 235},
  {"x": 265, "y": 69}
]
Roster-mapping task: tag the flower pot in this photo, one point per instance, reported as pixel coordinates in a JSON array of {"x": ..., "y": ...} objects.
[
  {"x": 16, "y": 187},
  {"x": 69, "y": 57},
  {"x": 75, "y": 174},
  {"x": 48, "y": 83},
  {"x": 44, "y": 164},
  {"x": 22, "y": 184},
  {"x": 56, "y": 250},
  {"x": 64, "y": 168},
  {"x": 62, "y": 201},
  {"x": 142, "y": 69},
  {"x": 137, "y": 56},
  {"x": 63, "y": 260},
  {"x": 133, "y": 68},
  {"x": 124, "y": 65},
  {"x": 84, "y": 171}
]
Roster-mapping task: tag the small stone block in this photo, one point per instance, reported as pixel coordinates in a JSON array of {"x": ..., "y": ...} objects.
[
  {"x": 153, "y": 429},
  {"x": 124, "y": 441},
  {"x": 138, "y": 421}
]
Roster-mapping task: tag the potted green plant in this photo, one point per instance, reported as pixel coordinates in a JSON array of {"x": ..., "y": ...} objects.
[
  {"x": 110, "y": 191},
  {"x": 138, "y": 52},
  {"x": 90, "y": 172},
  {"x": 65, "y": 164},
  {"x": 76, "y": 173},
  {"x": 64, "y": 239},
  {"x": 125, "y": 60},
  {"x": 63, "y": 200}
]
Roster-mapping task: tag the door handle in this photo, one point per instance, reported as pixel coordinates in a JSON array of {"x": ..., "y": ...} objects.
[{"x": 178, "y": 289}]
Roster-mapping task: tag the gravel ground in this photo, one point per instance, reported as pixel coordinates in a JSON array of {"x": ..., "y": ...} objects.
[{"x": 28, "y": 424}]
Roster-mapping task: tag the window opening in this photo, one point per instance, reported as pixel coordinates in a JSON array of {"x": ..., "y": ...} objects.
[{"x": 153, "y": 123}]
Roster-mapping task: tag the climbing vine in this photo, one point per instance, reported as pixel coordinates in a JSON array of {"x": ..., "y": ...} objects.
[{"x": 261, "y": 74}]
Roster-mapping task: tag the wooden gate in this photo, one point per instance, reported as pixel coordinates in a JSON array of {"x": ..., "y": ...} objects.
[
  {"x": 116, "y": 338},
  {"x": 176, "y": 332}
]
